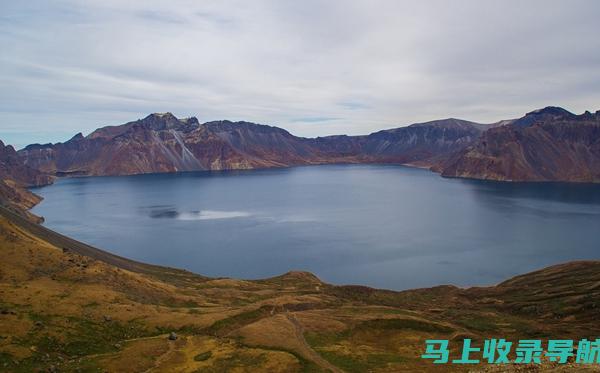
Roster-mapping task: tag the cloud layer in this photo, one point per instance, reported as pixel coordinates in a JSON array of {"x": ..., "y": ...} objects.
[{"x": 312, "y": 67}]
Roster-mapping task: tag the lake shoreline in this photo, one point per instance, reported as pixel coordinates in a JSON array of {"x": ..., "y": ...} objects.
[{"x": 330, "y": 220}]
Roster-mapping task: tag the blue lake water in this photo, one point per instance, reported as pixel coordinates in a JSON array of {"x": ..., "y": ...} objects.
[{"x": 384, "y": 226}]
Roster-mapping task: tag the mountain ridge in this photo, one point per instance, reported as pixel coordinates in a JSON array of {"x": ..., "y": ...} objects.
[
  {"x": 549, "y": 144},
  {"x": 15, "y": 178},
  {"x": 544, "y": 145},
  {"x": 164, "y": 143}
]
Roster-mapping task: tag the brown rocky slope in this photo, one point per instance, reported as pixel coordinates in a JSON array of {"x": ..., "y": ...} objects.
[
  {"x": 15, "y": 178},
  {"x": 549, "y": 144},
  {"x": 164, "y": 143}
]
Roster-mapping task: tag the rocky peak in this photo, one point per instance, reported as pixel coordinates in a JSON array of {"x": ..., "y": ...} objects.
[
  {"x": 166, "y": 121},
  {"x": 7, "y": 153},
  {"x": 544, "y": 114},
  {"x": 165, "y": 116},
  {"x": 190, "y": 121},
  {"x": 77, "y": 137},
  {"x": 159, "y": 121},
  {"x": 12, "y": 167},
  {"x": 551, "y": 110}
]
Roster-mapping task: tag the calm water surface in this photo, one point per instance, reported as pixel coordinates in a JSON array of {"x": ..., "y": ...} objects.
[{"x": 384, "y": 226}]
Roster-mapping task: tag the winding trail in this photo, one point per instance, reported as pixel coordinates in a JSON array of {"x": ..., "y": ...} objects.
[
  {"x": 124, "y": 341},
  {"x": 164, "y": 357},
  {"x": 307, "y": 350}
]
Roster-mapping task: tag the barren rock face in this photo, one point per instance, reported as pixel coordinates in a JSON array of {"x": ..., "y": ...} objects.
[
  {"x": 549, "y": 144},
  {"x": 163, "y": 143},
  {"x": 13, "y": 168},
  {"x": 15, "y": 176},
  {"x": 546, "y": 145}
]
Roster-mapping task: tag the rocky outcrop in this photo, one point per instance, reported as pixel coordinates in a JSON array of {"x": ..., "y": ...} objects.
[
  {"x": 15, "y": 177},
  {"x": 164, "y": 143},
  {"x": 549, "y": 144},
  {"x": 16, "y": 196},
  {"x": 12, "y": 167}
]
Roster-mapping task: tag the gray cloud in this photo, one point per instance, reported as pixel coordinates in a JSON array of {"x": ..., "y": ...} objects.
[{"x": 312, "y": 67}]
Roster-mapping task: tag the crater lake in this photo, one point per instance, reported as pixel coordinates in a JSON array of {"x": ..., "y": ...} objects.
[{"x": 378, "y": 225}]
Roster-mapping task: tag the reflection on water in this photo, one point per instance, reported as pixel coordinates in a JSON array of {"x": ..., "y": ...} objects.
[
  {"x": 588, "y": 194},
  {"x": 385, "y": 226},
  {"x": 555, "y": 200}
]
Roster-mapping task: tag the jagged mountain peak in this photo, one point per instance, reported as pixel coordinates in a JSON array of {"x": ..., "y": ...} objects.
[
  {"x": 164, "y": 116},
  {"x": 546, "y": 113},
  {"x": 166, "y": 121},
  {"x": 170, "y": 117},
  {"x": 5, "y": 149},
  {"x": 190, "y": 121},
  {"x": 78, "y": 136},
  {"x": 160, "y": 117}
]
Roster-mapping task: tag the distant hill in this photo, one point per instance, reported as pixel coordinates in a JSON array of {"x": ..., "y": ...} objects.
[
  {"x": 15, "y": 177},
  {"x": 164, "y": 143},
  {"x": 549, "y": 144},
  {"x": 13, "y": 167}
]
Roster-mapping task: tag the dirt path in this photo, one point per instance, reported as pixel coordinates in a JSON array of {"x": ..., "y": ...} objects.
[
  {"x": 162, "y": 358},
  {"x": 308, "y": 351},
  {"x": 105, "y": 354}
]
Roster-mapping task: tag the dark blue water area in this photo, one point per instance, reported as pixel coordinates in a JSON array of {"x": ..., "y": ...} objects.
[{"x": 378, "y": 225}]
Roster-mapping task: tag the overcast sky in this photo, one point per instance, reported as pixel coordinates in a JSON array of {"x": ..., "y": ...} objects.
[{"x": 312, "y": 67}]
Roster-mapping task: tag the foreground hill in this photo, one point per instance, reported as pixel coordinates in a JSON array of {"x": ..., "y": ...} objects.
[
  {"x": 65, "y": 306},
  {"x": 550, "y": 144},
  {"x": 164, "y": 143}
]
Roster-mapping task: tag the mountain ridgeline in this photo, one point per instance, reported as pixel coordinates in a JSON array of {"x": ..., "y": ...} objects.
[
  {"x": 15, "y": 177},
  {"x": 549, "y": 144},
  {"x": 164, "y": 143}
]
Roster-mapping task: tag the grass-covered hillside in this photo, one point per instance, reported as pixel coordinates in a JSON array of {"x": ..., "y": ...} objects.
[{"x": 67, "y": 312}]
